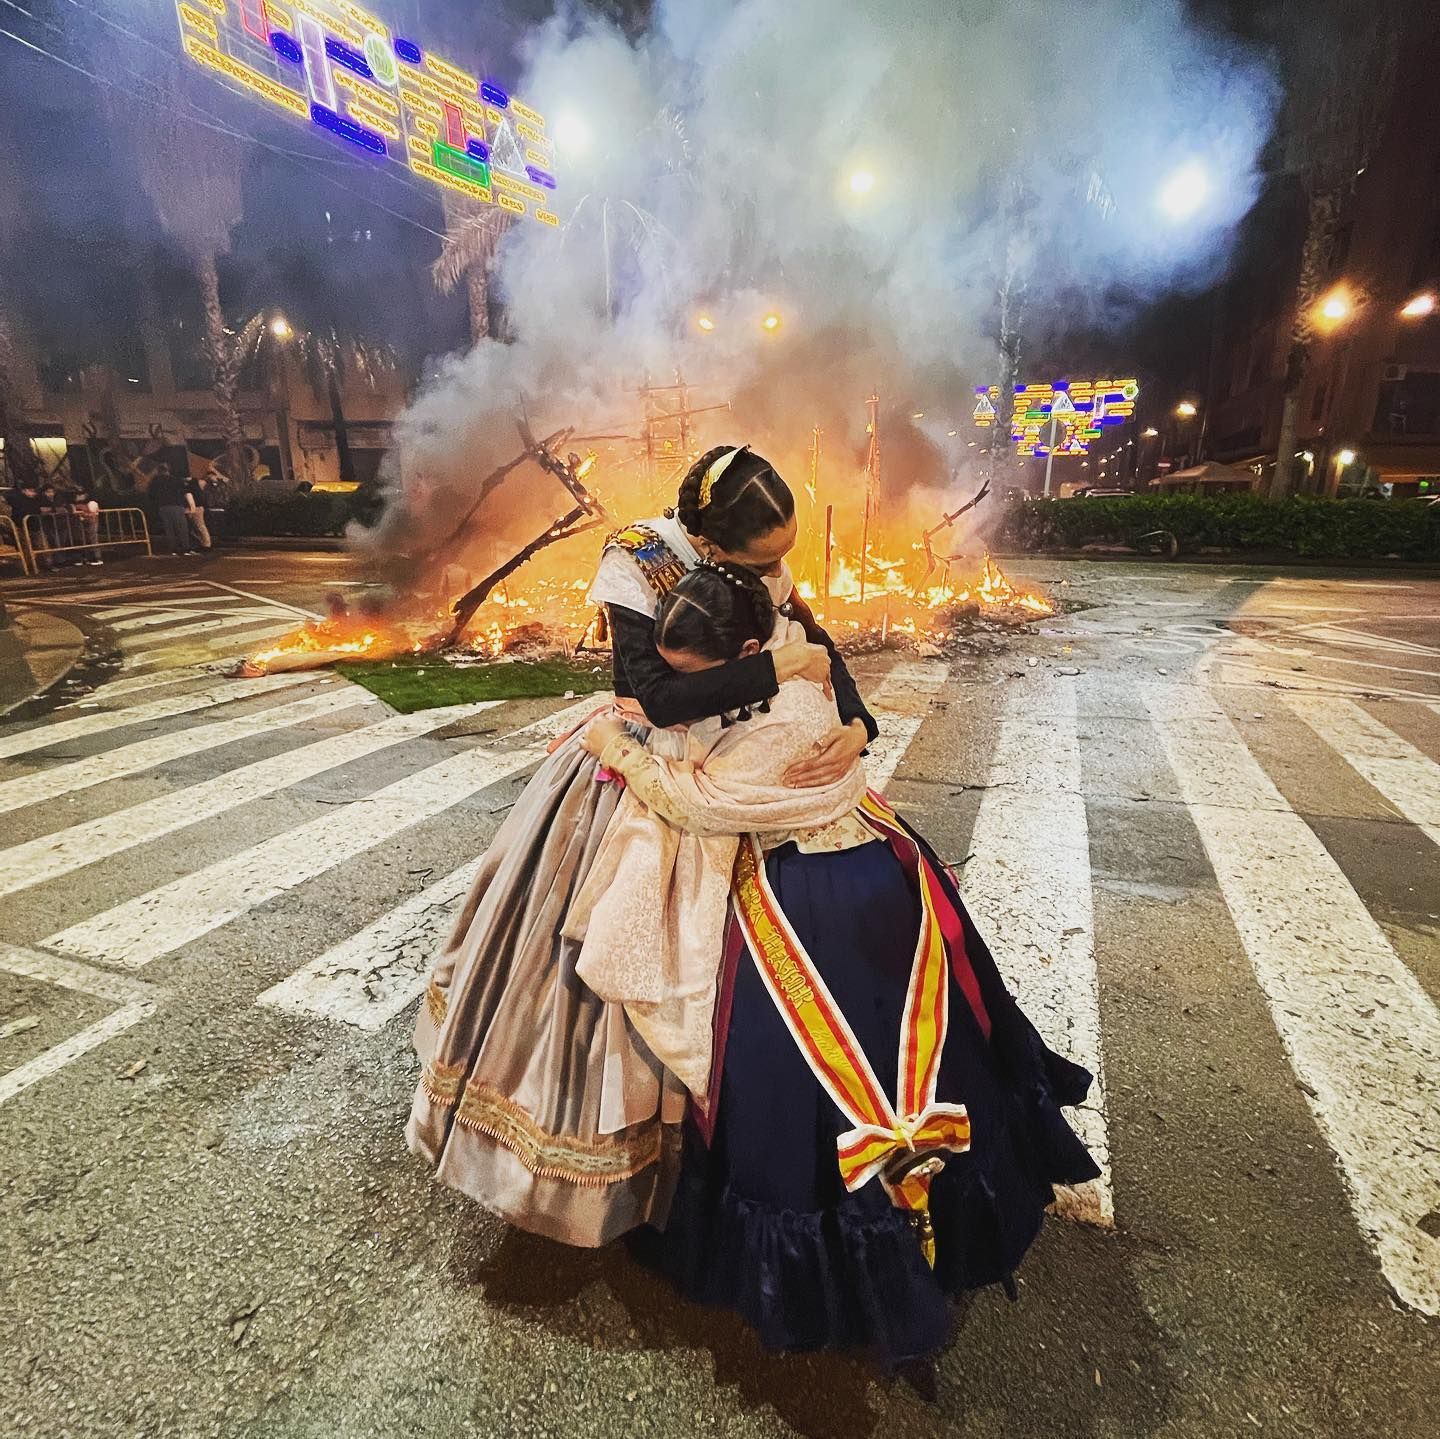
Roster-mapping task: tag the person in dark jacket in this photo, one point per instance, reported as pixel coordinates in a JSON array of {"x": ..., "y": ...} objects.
[{"x": 168, "y": 492}]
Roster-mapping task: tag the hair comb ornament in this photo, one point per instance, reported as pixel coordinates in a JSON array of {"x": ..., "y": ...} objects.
[{"x": 712, "y": 475}]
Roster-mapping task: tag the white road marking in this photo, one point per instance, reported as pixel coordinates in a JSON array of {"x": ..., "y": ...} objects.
[
  {"x": 368, "y": 979},
  {"x": 220, "y": 604},
  {"x": 92, "y": 595},
  {"x": 207, "y": 624},
  {"x": 1029, "y": 885},
  {"x": 137, "y": 1001},
  {"x": 1361, "y": 1033},
  {"x": 151, "y": 658},
  {"x": 156, "y": 923},
  {"x": 900, "y": 705},
  {"x": 45, "y": 736},
  {"x": 149, "y": 617},
  {"x": 1409, "y": 779},
  {"x": 49, "y": 784},
  {"x": 266, "y": 600},
  {"x": 117, "y": 689},
  {"x": 52, "y": 855}
]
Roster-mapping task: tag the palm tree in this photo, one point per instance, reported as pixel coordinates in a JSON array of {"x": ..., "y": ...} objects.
[
  {"x": 196, "y": 191},
  {"x": 473, "y": 232},
  {"x": 328, "y": 350},
  {"x": 21, "y": 461}
]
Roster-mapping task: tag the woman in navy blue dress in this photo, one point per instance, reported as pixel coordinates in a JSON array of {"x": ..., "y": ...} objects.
[{"x": 762, "y": 1221}]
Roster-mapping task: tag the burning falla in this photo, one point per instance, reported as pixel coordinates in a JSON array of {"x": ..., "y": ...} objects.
[{"x": 552, "y": 614}]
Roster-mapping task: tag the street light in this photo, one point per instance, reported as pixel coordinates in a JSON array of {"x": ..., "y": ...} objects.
[
  {"x": 1421, "y": 306},
  {"x": 1345, "y": 459},
  {"x": 1149, "y": 434},
  {"x": 1184, "y": 192},
  {"x": 571, "y": 133},
  {"x": 280, "y": 328},
  {"x": 861, "y": 182},
  {"x": 1187, "y": 409},
  {"x": 1335, "y": 308},
  {"x": 770, "y": 323},
  {"x": 705, "y": 323}
]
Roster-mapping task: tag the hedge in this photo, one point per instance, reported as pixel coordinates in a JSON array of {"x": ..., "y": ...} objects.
[
  {"x": 1312, "y": 528},
  {"x": 309, "y": 515}
]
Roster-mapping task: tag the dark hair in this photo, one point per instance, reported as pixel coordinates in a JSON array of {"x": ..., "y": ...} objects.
[
  {"x": 714, "y": 611},
  {"x": 748, "y": 500}
]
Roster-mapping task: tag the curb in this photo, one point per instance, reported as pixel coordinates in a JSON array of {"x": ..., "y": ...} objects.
[
  {"x": 324, "y": 544},
  {"x": 63, "y": 636}
]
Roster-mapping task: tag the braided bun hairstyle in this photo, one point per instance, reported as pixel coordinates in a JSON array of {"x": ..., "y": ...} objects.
[
  {"x": 747, "y": 501},
  {"x": 714, "y": 611}
]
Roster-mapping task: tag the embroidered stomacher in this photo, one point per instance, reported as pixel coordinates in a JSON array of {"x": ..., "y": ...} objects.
[{"x": 662, "y": 568}]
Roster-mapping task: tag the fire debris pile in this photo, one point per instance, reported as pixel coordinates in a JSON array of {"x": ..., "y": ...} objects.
[
  {"x": 867, "y": 600},
  {"x": 486, "y": 619}
]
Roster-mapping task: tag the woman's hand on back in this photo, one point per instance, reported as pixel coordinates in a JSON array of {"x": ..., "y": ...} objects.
[
  {"x": 803, "y": 661},
  {"x": 599, "y": 733},
  {"x": 832, "y": 760}
]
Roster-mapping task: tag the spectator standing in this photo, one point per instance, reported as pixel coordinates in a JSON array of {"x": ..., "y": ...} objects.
[
  {"x": 212, "y": 497},
  {"x": 169, "y": 494},
  {"x": 195, "y": 510},
  {"x": 53, "y": 513},
  {"x": 86, "y": 509}
]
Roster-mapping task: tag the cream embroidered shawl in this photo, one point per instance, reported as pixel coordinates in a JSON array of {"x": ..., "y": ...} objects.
[{"x": 651, "y": 913}]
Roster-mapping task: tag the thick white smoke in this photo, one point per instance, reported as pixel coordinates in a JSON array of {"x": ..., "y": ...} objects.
[{"x": 712, "y": 168}]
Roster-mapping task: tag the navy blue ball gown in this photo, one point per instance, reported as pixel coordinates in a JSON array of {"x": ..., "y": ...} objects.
[{"x": 761, "y": 1222}]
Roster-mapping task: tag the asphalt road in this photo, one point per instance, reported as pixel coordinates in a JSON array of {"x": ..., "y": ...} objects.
[{"x": 1199, "y": 820}]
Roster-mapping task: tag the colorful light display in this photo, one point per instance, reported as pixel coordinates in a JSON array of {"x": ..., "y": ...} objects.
[
  {"x": 331, "y": 63},
  {"x": 1081, "y": 410}
]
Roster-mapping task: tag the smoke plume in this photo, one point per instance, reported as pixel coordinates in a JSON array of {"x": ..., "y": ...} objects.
[{"x": 872, "y": 174}]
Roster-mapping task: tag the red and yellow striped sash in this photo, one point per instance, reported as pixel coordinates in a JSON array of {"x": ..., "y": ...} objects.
[{"x": 901, "y": 1143}]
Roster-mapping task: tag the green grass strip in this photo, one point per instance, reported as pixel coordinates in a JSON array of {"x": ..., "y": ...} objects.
[{"x": 424, "y": 683}]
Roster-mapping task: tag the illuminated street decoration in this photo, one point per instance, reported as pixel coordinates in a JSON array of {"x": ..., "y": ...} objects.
[
  {"x": 335, "y": 65},
  {"x": 1080, "y": 409}
]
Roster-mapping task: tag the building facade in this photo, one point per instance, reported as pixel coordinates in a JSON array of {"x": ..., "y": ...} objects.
[{"x": 1369, "y": 404}]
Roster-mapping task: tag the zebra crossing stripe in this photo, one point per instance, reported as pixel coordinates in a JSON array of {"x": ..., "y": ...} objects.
[
  {"x": 1407, "y": 778},
  {"x": 136, "y": 999},
  {"x": 900, "y": 703},
  {"x": 152, "y": 658},
  {"x": 133, "y": 934},
  {"x": 368, "y": 979},
  {"x": 1029, "y": 886},
  {"x": 46, "y": 736},
  {"x": 1361, "y": 1033},
  {"x": 49, "y": 784},
  {"x": 52, "y": 855},
  {"x": 91, "y": 596},
  {"x": 179, "y": 674},
  {"x": 207, "y": 626},
  {"x": 148, "y": 616},
  {"x": 190, "y": 604}
]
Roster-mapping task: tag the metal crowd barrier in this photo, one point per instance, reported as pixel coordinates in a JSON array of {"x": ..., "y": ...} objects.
[
  {"x": 11, "y": 546},
  {"x": 66, "y": 532}
]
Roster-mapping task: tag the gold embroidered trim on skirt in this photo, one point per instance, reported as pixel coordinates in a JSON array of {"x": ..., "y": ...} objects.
[
  {"x": 436, "y": 1002},
  {"x": 442, "y": 1081},
  {"x": 549, "y": 1156}
]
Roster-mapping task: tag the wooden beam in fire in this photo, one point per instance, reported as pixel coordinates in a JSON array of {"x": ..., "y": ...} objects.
[
  {"x": 588, "y": 514},
  {"x": 945, "y": 522}
]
